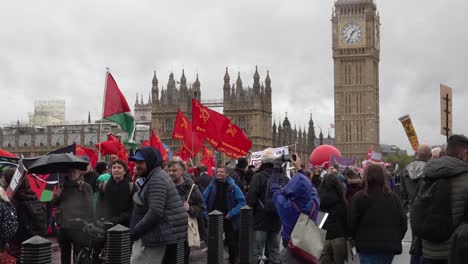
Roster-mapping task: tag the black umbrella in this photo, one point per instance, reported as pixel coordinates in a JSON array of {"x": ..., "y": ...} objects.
[{"x": 57, "y": 163}]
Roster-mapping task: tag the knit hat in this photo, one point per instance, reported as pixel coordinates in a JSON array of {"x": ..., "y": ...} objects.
[
  {"x": 268, "y": 156},
  {"x": 242, "y": 163},
  {"x": 101, "y": 166}
]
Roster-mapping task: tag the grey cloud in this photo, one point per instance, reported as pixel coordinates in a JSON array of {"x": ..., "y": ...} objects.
[{"x": 60, "y": 49}]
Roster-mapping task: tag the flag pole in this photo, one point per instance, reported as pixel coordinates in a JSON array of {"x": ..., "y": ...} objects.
[
  {"x": 192, "y": 154},
  {"x": 102, "y": 110}
]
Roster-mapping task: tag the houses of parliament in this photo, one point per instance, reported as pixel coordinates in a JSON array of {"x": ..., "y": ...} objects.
[{"x": 248, "y": 106}]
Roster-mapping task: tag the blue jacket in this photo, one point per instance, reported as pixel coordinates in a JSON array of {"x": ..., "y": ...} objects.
[
  {"x": 235, "y": 200},
  {"x": 300, "y": 191}
]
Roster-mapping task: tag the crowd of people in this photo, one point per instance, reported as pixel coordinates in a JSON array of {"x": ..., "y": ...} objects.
[{"x": 162, "y": 201}]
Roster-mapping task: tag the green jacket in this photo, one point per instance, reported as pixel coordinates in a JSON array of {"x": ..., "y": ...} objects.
[{"x": 456, "y": 171}]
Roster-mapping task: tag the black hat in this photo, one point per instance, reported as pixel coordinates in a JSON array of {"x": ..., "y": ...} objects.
[
  {"x": 242, "y": 163},
  {"x": 101, "y": 166}
]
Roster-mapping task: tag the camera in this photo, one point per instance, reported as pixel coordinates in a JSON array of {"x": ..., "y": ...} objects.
[
  {"x": 285, "y": 158},
  {"x": 282, "y": 159}
]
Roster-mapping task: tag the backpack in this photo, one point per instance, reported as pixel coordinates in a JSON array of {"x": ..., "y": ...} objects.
[
  {"x": 431, "y": 216},
  {"x": 266, "y": 202},
  {"x": 8, "y": 222},
  {"x": 34, "y": 215},
  {"x": 459, "y": 246}
]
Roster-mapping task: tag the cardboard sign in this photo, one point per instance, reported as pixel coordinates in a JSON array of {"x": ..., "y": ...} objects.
[
  {"x": 446, "y": 110},
  {"x": 256, "y": 158}
]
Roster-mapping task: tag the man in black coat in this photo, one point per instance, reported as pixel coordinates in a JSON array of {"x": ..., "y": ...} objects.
[
  {"x": 203, "y": 179},
  {"x": 238, "y": 174},
  {"x": 267, "y": 224},
  {"x": 189, "y": 193}
]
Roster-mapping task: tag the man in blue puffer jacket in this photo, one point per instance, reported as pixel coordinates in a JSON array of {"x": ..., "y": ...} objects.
[{"x": 225, "y": 196}]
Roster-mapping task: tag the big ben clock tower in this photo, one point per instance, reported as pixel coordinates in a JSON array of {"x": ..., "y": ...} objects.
[{"x": 356, "y": 55}]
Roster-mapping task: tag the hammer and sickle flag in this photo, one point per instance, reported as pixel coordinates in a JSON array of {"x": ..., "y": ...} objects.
[
  {"x": 183, "y": 131},
  {"x": 208, "y": 123},
  {"x": 235, "y": 143},
  {"x": 182, "y": 126}
]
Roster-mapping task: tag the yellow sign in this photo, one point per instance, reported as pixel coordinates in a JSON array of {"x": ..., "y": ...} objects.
[{"x": 410, "y": 132}]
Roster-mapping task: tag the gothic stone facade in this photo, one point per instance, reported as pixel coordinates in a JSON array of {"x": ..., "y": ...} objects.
[
  {"x": 32, "y": 141},
  {"x": 250, "y": 108},
  {"x": 356, "y": 54}
]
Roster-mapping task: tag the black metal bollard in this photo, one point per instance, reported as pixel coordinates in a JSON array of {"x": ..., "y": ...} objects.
[
  {"x": 118, "y": 245},
  {"x": 215, "y": 238},
  {"x": 36, "y": 250},
  {"x": 246, "y": 236}
]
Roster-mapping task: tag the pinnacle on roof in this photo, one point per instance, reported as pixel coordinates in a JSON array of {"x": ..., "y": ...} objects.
[
  {"x": 226, "y": 75},
  {"x": 239, "y": 81},
  {"x": 256, "y": 75},
  {"x": 197, "y": 82},
  {"x": 183, "y": 80},
  {"x": 267, "y": 79},
  {"x": 155, "y": 79}
]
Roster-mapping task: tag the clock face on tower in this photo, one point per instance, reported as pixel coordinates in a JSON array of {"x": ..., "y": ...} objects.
[{"x": 352, "y": 33}]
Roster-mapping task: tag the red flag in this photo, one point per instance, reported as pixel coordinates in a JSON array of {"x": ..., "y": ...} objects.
[
  {"x": 110, "y": 146},
  {"x": 122, "y": 152},
  {"x": 145, "y": 143},
  {"x": 182, "y": 126},
  {"x": 156, "y": 142},
  {"x": 235, "y": 142},
  {"x": 113, "y": 146},
  {"x": 183, "y": 153},
  {"x": 82, "y": 151},
  {"x": 183, "y": 131},
  {"x": 209, "y": 123},
  {"x": 208, "y": 160}
]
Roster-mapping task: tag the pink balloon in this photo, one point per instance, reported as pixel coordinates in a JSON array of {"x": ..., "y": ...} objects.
[{"x": 322, "y": 154}]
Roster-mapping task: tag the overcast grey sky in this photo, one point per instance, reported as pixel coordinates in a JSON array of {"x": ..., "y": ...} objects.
[{"x": 60, "y": 49}]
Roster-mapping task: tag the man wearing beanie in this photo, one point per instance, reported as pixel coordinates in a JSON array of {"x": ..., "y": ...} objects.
[
  {"x": 238, "y": 174},
  {"x": 101, "y": 167},
  {"x": 267, "y": 224}
]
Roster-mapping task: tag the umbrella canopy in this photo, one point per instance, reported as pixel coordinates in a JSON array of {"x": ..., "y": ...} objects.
[{"x": 57, "y": 163}]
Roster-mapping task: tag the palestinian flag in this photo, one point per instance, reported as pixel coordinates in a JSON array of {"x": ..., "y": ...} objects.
[
  {"x": 8, "y": 163},
  {"x": 7, "y": 160},
  {"x": 116, "y": 108}
]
